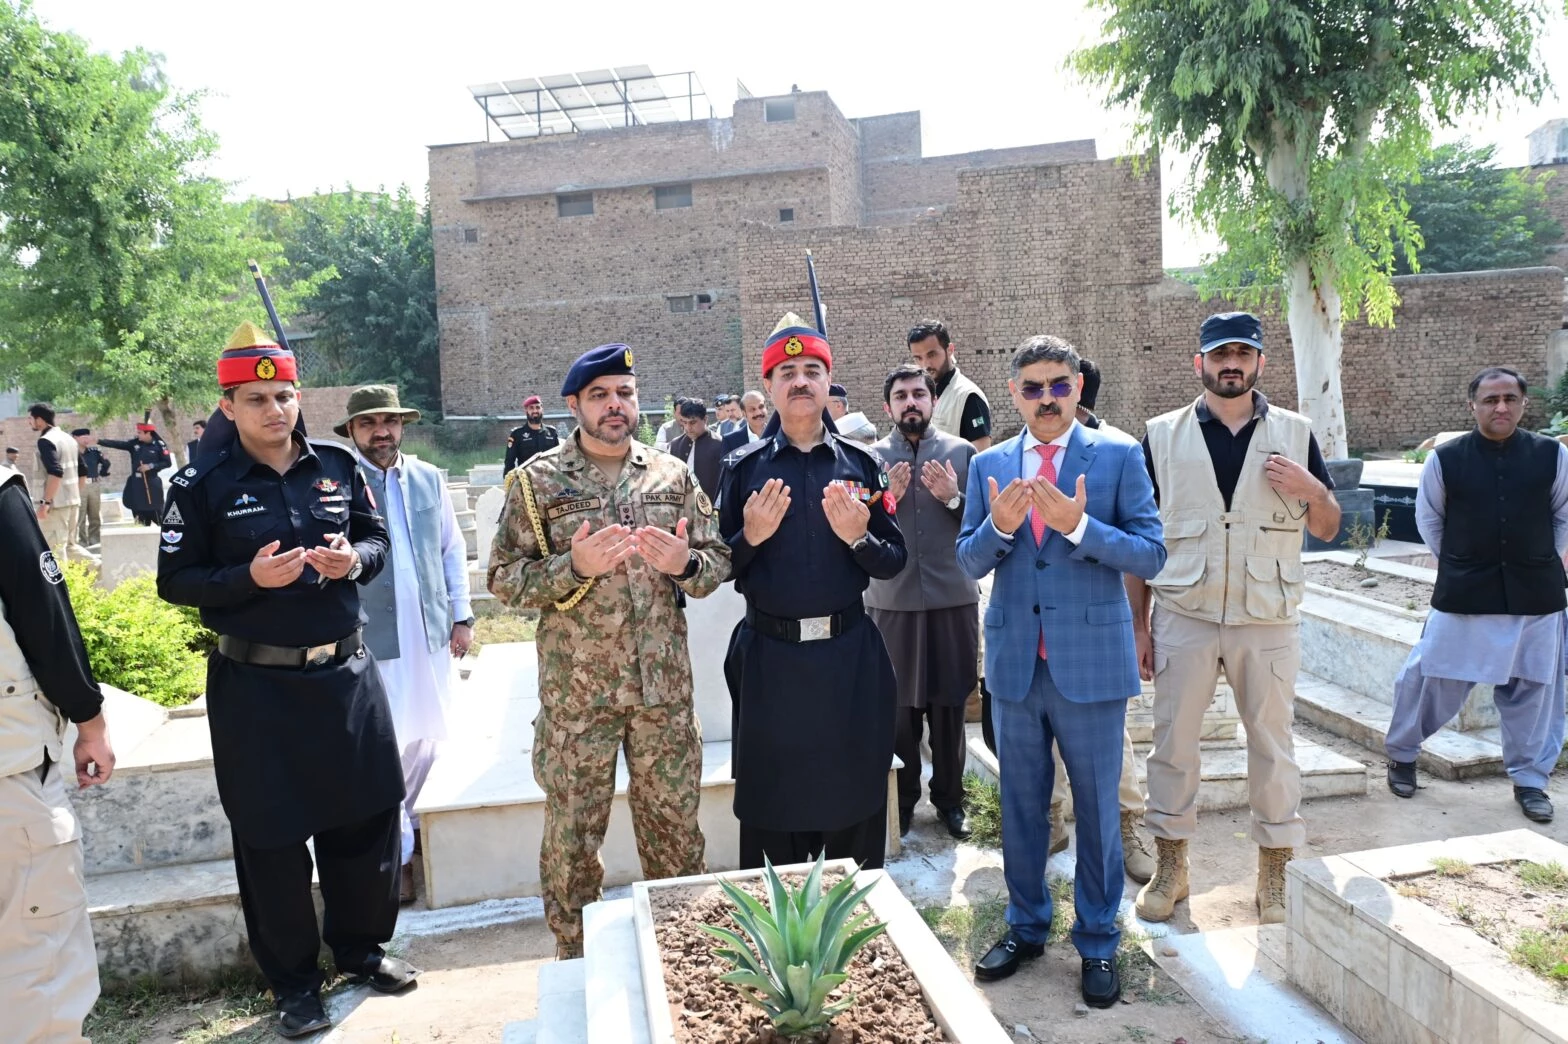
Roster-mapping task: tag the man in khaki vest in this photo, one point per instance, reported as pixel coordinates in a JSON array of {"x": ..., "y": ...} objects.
[
  {"x": 1237, "y": 480},
  {"x": 48, "y": 968},
  {"x": 57, "y": 496}
]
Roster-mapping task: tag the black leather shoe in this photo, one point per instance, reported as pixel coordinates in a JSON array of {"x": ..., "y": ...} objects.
[
  {"x": 956, "y": 822},
  {"x": 904, "y": 819},
  {"x": 1102, "y": 983},
  {"x": 1536, "y": 804},
  {"x": 301, "y": 1015},
  {"x": 1402, "y": 778},
  {"x": 1003, "y": 959},
  {"x": 387, "y": 975}
]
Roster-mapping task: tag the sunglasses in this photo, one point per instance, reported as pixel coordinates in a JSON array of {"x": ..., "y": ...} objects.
[{"x": 1059, "y": 390}]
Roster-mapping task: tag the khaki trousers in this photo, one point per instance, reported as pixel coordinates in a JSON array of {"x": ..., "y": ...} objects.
[
  {"x": 1261, "y": 661},
  {"x": 59, "y": 531},
  {"x": 48, "y": 968},
  {"x": 1127, "y": 793},
  {"x": 89, "y": 528}
]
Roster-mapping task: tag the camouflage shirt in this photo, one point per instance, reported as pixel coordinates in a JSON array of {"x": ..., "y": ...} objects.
[{"x": 624, "y": 643}]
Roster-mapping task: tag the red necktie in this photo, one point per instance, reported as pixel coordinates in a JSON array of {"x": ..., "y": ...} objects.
[{"x": 1047, "y": 471}]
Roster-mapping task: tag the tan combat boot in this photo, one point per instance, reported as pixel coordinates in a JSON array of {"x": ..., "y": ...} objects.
[
  {"x": 1157, "y": 900},
  {"x": 1271, "y": 884},
  {"x": 1136, "y": 852},
  {"x": 1059, "y": 838}
]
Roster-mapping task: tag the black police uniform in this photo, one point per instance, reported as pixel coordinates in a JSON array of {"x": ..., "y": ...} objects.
[
  {"x": 813, "y": 720},
  {"x": 525, "y": 441},
  {"x": 143, "y": 496},
  {"x": 302, "y": 738}
]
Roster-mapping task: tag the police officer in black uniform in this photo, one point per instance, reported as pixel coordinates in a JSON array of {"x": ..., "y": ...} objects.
[
  {"x": 270, "y": 535},
  {"x": 528, "y": 439},
  {"x": 809, "y": 524},
  {"x": 91, "y": 467},
  {"x": 143, "y": 494}
]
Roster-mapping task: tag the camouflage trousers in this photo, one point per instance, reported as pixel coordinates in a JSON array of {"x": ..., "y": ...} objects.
[{"x": 574, "y": 763}]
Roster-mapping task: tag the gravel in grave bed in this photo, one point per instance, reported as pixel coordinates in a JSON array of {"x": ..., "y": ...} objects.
[
  {"x": 889, "y": 1008},
  {"x": 1395, "y": 590}
]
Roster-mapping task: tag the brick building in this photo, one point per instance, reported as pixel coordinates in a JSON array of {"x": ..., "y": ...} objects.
[{"x": 686, "y": 240}]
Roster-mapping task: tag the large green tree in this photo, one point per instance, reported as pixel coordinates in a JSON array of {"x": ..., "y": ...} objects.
[
  {"x": 122, "y": 266},
  {"x": 371, "y": 311},
  {"x": 1474, "y": 215},
  {"x": 1305, "y": 118}
]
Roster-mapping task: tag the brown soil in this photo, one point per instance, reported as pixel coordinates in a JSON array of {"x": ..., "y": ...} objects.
[
  {"x": 1492, "y": 900},
  {"x": 1395, "y": 590},
  {"x": 889, "y": 1008}
]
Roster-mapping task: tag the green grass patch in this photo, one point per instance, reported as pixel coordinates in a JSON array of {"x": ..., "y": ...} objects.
[
  {"x": 1447, "y": 866},
  {"x": 968, "y": 931},
  {"x": 1545, "y": 877},
  {"x": 1557, "y": 918},
  {"x": 983, "y": 801},
  {"x": 235, "y": 1008},
  {"x": 1545, "y": 953},
  {"x": 496, "y": 623}
]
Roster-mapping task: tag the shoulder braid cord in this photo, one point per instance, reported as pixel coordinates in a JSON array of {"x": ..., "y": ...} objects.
[{"x": 539, "y": 535}]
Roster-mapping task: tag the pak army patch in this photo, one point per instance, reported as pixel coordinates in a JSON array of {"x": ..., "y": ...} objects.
[{"x": 704, "y": 505}]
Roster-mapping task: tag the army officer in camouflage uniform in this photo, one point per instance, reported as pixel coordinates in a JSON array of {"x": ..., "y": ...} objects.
[{"x": 602, "y": 534}]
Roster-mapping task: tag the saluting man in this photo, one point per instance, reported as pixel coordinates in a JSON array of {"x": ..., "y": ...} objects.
[
  {"x": 143, "y": 495},
  {"x": 603, "y": 535},
  {"x": 270, "y": 534},
  {"x": 809, "y": 525}
]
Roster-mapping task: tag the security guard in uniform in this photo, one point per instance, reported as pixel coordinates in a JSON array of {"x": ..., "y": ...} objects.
[
  {"x": 810, "y": 524},
  {"x": 48, "y": 968},
  {"x": 526, "y": 440},
  {"x": 604, "y": 536},
  {"x": 91, "y": 468},
  {"x": 270, "y": 534}
]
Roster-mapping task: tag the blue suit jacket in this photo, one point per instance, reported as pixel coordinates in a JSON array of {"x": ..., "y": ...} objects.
[{"x": 1074, "y": 593}]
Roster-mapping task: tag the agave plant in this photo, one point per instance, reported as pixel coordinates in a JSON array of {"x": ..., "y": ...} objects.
[{"x": 796, "y": 948}]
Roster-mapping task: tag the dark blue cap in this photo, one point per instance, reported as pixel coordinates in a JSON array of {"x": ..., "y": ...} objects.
[
  {"x": 836, "y": 391},
  {"x": 607, "y": 360},
  {"x": 1230, "y": 328}
]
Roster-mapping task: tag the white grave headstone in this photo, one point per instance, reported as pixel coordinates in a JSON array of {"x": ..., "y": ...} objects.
[
  {"x": 485, "y": 475},
  {"x": 709, "y": 623},
  {"x": 487, "y": 516},
  {"x": 126, "y": 551}
]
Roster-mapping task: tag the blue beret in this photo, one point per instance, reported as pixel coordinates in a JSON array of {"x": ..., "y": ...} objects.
[
  {"x": 836, "y": 391},
  {"x": 1230, "y": 328},
  {"x": 607, "y": 360}
]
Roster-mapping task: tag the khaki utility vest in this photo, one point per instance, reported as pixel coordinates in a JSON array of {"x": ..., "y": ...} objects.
[
  {"x": 949, "y": 411},
  {"x": 68, "y": 451},
  {"x": 29, "y": 723},
  {"x": 1241, "y": 566}
]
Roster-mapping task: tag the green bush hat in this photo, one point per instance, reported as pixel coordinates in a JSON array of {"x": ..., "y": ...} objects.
[{"x": 374, "y": 398}]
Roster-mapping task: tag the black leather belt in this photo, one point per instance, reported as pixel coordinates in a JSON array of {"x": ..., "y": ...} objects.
[
  {"x": 289, "y": 655},
  {"x": 810, "y": 629}
]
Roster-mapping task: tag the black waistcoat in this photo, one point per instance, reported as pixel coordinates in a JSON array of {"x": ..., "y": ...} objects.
[{"x": 1498, "y": 556}]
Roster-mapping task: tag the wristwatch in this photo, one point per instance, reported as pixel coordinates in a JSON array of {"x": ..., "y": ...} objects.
[
  {"x": 862, "y": 542},
  {"x": 468, "y": 622},
  {"x": 952, "y": 505},
  {"x": 693, "y": 563},
  {"x": 355, "y": 569}
]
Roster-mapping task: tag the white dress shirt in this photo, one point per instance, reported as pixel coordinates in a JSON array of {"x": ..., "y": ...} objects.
[{"x": 1029, "y": 467}]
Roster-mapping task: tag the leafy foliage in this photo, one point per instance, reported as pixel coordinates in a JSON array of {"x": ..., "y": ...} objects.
[
  {"x": 122, "y": 266},
  {"x": 795, "y": 949},
  {"x": 136, "y": 641},
  {"x": 372, "y": 308},
  {"x": 1474, "y": 216}
]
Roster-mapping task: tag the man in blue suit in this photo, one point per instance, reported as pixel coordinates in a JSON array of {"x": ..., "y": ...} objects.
[{"x": 1060, "y": 511}]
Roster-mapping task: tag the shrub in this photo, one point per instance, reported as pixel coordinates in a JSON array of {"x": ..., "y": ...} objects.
[{"x": 138, "y": 642}]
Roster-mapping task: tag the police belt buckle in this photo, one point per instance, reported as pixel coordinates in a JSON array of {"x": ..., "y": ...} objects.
[
  {"x": 816, "y": 628},
  {"x": 319, "y": 655}
]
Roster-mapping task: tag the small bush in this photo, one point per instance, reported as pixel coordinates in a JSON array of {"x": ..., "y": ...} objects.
[{"x": 138, "y": 642}]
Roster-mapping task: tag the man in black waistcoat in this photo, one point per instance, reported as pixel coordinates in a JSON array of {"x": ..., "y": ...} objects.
[
  {"x": 270, "y": 534},
  {"x": 809, "y": 525},
  {"x": 1493, "y": 507}
]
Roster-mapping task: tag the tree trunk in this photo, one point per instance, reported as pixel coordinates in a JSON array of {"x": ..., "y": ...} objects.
[
  {"x": 1315, "y": 333},
  {"x": 171, "y": 426}
]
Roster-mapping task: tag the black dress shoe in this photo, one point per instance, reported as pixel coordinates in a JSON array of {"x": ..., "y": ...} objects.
[
  {"x": 1402, "y": 778},
  {"x": 1536, "y": 804},
  {"x": 301, "y": 1014},
  {"x": 956, "y": 822},
  {"x": 1102, "y": 983},
  {"x": 1003, "y": 959},
  {"x": 386, "y": 975},
  {"x": 904, "y": 819}
]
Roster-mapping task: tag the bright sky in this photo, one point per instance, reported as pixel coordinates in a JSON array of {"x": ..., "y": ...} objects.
[{"x": 308, "y": 96}]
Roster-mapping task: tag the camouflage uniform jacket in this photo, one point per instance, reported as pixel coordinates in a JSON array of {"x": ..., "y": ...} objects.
[{"x": 622, "y": 644}]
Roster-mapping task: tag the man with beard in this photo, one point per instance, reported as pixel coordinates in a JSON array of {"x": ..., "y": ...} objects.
[
  {"x": 59, "y": 498},
  {"x": 1493, "y": 507},
  {"x": 804, "y": 512},
  {"x": 928, "y": 612},
  {"x": 603, "y": 535},
  {"x": 1237, "y": 480},
  {"x": 961, "y": 407},
  {"x": 143, "y": 494},
  {"x": 270, "y": 535},
  {"x": 533, "y": 436},
  {"x": 417, "y": 612}
]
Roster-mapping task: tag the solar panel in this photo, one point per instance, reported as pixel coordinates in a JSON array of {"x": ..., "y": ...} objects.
[{"x": 594, "y": 99}]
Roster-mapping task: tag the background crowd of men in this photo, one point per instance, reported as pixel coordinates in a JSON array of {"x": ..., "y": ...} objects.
[{"x": 336, "y": 582}]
